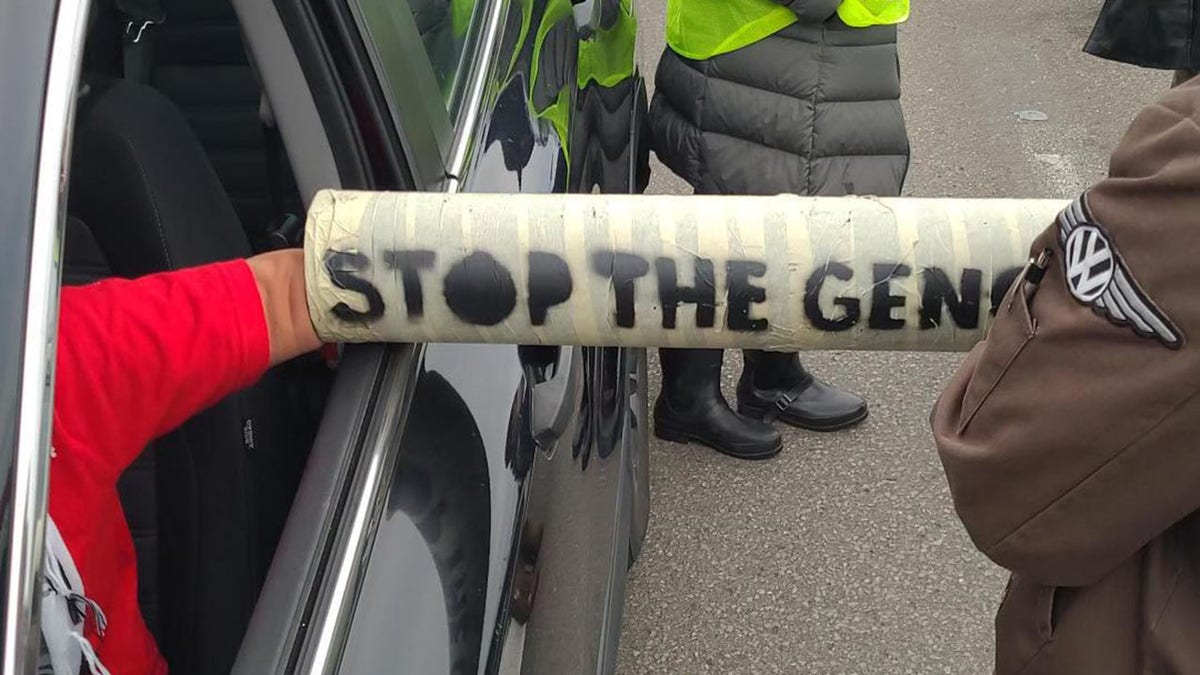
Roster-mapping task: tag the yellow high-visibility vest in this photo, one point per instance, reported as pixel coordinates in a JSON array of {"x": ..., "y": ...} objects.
[
  {"x": 863, "y": 13},
  {"x": 702, "y": 29}
]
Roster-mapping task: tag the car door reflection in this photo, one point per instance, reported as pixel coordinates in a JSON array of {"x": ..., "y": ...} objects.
[{"x": 434, "y": 534}]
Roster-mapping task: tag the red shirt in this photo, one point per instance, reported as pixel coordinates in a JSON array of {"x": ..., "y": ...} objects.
[{"x": 135, "y": 360}]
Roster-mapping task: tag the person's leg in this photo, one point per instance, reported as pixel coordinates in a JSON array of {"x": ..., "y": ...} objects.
[
  {"x": 692, "y": 408},
  {"x": 774, "y": 385}
]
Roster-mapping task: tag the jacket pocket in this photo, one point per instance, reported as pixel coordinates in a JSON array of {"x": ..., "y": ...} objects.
[
  {"x": 1024, "y": 624},
  {"x": 1011, "y": 331}
]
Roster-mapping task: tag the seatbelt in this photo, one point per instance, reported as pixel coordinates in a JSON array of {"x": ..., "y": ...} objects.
[{"x": 141, "y": 16}]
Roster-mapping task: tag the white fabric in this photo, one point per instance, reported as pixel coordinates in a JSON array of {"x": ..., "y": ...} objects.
[{"x": 64, "y": 613}]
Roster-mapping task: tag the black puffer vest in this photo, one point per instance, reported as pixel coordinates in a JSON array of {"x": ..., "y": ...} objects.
[{"x": 813, "y": 110}]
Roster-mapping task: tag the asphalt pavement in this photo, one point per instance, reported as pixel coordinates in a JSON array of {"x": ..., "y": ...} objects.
[{"x": 843, "y": 555}]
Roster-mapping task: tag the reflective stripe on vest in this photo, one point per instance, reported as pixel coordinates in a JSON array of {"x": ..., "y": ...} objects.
[{"x": 864, "y": 13}]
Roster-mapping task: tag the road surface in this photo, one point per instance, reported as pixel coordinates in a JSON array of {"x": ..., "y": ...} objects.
[{"x": 843, "y": 555}]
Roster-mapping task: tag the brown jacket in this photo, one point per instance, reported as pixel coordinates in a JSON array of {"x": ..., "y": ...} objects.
[{"x": 1071, "y": 437}]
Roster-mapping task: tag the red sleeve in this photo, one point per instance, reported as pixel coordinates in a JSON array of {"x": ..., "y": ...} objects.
[{"x": 138, "y": 358}]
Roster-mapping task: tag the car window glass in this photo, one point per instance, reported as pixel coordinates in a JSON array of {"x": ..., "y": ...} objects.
[{"x": 445, "y": 27}]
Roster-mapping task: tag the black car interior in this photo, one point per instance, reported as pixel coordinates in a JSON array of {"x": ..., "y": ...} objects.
[{"x": 175, "y": 164}]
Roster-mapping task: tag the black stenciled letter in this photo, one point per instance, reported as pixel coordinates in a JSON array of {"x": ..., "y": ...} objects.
[
  {"x": 741, "y": 294},
  {"x": 549, "y": 284},
  {"x": 479, "y": 290},
  {"x": 624, "y": 269},
  {"x": 703, "y": 293},
  {"x": 964, "y": 309},
  {"x": 882, "y": 300},
  {"x": 341, "y": 267},
  {"x": 812, "y": 299},
  {"x": 410, "y": 264},
  {"x": 1000, "y": 286}
]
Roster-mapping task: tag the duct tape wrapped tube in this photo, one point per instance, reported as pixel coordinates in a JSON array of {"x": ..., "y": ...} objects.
[{"x": 775, "y": 273}]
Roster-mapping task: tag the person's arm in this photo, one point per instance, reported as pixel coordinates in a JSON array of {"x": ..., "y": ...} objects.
[
  {"x": 138, "y": 358},
  {"x": 280, "y": 279},
  {"x": 1071, "y": 437}
]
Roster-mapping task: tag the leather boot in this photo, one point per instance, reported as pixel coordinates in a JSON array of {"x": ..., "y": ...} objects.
[
  {"x": 774, "y": 385},
  {"x": 692, "y": 408}
]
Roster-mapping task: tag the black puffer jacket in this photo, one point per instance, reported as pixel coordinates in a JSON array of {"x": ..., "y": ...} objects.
[
  {"x": 813, "y": 110},
  {"x": 1161, "y": 34}
]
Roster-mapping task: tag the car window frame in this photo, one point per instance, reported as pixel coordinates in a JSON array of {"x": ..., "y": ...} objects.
[{"x": 29, "y": 481}]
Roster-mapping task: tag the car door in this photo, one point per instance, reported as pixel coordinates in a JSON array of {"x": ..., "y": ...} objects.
[
  {"x": 549, "y": 486},
  {"x": 468, "y": 508}
]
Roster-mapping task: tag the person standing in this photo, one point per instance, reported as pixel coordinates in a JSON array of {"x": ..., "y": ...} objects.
[
  {"x": 1069, "y": 436},
  {"x": 761, "y": 97}
]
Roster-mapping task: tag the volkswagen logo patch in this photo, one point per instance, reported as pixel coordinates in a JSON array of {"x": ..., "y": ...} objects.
[
  {"x": 1099, "y": 277},
  {"x": 1090, "y": 263}
]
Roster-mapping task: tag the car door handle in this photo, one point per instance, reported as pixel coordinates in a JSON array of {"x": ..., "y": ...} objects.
[{"x": 553, "y": 401}]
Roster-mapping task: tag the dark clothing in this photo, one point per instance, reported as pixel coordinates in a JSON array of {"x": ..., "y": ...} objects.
[
  {"x": 1162, "y": 34},
  {"x": 812, "y": 110},
  {"x": 1069, "y": 437}
]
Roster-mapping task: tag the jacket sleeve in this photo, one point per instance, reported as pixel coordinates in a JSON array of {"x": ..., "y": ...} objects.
[
  {"x": 811, "y": 11},
  {"x": 138, "y": 358},
  {"x": 1071, "y": 437}
]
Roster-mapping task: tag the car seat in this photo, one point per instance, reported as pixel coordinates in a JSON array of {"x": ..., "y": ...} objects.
[{"x": 207, "y": 502}]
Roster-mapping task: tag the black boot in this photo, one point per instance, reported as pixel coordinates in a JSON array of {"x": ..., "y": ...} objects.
[
  {"x": 691, "y": 408},
  {"x": 774, "y": 385}
]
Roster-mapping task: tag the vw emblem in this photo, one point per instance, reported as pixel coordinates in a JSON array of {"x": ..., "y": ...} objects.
[{"x": 1089, "y": 261}]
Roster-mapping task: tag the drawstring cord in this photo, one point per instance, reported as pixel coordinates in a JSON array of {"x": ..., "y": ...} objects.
[{"x": 89, "y": 655}]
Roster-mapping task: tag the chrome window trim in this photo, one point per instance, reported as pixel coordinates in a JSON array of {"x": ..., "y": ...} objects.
[
  {"x": 31, "y": 463},
  {"x": 341, "y": 578},
  {"x": 470, "y": 110},
  {"x": 466, "y": 63}
]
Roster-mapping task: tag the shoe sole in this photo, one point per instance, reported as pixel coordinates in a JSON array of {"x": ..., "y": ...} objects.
[
  {"x": 834, "y": 425},
  {"x": 678, "y": 436}
]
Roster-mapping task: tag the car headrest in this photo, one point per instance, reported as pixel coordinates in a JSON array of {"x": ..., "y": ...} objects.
[
  {"x": 83, "y": 261},
  {"x": 142, "y": 182}
]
